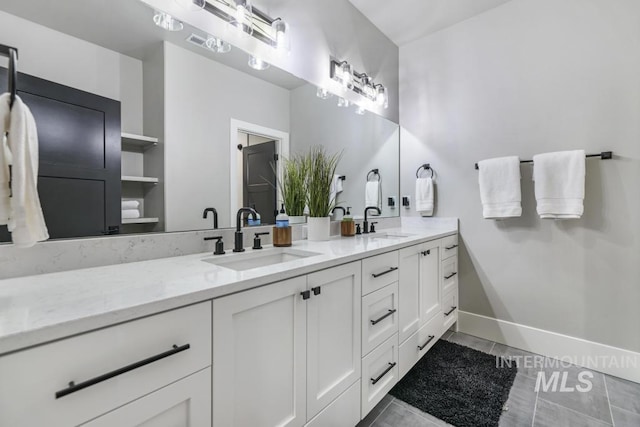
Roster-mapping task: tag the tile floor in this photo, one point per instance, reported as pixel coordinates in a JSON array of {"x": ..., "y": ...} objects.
[{"x": 611, "y": 401}]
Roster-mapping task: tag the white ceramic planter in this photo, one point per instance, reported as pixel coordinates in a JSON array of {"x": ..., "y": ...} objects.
[
  {"x": 297, "y": 219},
  {"x": 318, "y": 229}
]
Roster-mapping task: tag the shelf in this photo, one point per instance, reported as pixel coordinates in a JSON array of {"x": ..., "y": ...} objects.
[
  {"x": 140, "y": 221},
  {"x": 142, "y": 179},
  {"x": 138, "y": 141}
]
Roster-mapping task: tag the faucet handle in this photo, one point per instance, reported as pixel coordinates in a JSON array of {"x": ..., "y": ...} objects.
[
  {"x": 373, "y": 227},
  {"x": 257, "y": 243},
  {"x": 219, "y": 244},
  {"x": 358, "y": 229}
]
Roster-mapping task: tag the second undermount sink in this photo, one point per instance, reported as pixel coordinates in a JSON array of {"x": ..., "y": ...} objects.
[
  {"x": 392, "y": 235},
  {"x": 260, "y": 258}
]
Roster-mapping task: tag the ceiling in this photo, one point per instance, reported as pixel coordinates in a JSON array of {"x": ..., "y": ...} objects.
[
  {"x": 406, "y": 20},
  {"x": 126, "y": 26}
]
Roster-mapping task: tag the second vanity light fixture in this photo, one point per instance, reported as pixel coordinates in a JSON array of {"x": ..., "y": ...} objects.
[{"x": 360, "y": 83}]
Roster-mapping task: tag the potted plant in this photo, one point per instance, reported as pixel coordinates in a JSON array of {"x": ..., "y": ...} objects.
[
  {"x": 293, "y": 188},
  {"x": 321, "y": 168}
]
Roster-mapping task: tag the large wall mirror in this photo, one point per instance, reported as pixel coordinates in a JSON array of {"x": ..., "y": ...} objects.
[{"x": 146, "y": 130}]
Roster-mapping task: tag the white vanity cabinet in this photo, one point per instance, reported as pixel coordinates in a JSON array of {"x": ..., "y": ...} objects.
[
  {"x": 285, "y": 351},
  {"x": 74, "y": 380}
]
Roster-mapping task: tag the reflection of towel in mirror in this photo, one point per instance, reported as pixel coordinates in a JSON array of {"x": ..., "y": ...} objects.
[
  {"x": 424, "y": 196},
  {"x": 130, "y": 214},
  {"x": 130, "y": 204},
  {"x": 336, "y": 188},
  {"x": 373, "y": 194},
  {"x": 25, "y": 220}
]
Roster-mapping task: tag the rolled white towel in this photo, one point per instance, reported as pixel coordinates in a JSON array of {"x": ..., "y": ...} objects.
[
  {"x": 424, "y": 196},
  {"x": 500, "y": 192},
  {"x": 559, "y": 184},
  {"x": 130, "y": 204},
  {"x": 130, "y": 214}
]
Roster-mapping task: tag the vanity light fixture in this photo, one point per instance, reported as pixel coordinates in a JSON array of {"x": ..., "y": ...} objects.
[
  {"x": 167, "y": 22},
  {"x": 243, "y": 18},
  {"x": 192, "y": 5},
  {"x": 217, "y": 45},
  {"x": 257, "y": 63},
  {"x": 282, "y": 41},
  {"x": 323, "y": 93},
  {"x": 360, "y": 83},
  {"x": 343, "y": 103}
]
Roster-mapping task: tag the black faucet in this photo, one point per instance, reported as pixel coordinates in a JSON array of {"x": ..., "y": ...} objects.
[
  {"x": 238, "y": 247},
  {"x": 344, "y": 212},
  {"x": 365, "y": 224},
  {"x": 205, "y": 214}
]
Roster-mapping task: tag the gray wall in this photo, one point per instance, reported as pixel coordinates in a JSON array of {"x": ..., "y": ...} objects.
[
  {"x": 528, "y": 77},
  {"x": 201, "y": 98}
]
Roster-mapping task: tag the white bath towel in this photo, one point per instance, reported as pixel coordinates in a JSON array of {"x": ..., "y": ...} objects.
[
  {"x": 500, "y": 192},
  {"x": 130, "y": 214},
  {"x": 336, "y": 188},
  {"x": 5, "y": 161},
  {"x": 26, "y": 221},
  {"x": 559, "y": 184},
  {"x": 424, "y": 196},
  {"x": 130, "y": 204},
  {"x": 372, "y": 195}
]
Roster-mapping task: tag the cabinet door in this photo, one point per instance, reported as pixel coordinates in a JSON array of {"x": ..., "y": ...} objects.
[
  {"x": 429, "y": 281},
  {"x": 333, "y": 334},
  {"x": 185, "y": 403},
  {"x": 409, "y": 291},
  {"x": 259, "y": 356}
]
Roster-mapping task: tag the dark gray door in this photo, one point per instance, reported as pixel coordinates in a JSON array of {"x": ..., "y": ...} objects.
[
  {"x": 259, "y": 181},
  {"x": 79, "y": 177}
]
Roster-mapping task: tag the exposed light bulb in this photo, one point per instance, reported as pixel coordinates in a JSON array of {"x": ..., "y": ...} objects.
[
  {"x": 192, "y": 5},
  {"x": 323, "y": 93},
  {"x": 343, "y": 103},
  {"x": 167, "y": 22},
  {"x": 282, "y": 38},
  {"x": 382, "y": 98},
  {"x": 217, "y": 45},
  {"x": 244, "y": 16},
  {"x": 360, "y": 110},
  {"x": 346, "y": 75},
  {"x": 257, "y": 63}
]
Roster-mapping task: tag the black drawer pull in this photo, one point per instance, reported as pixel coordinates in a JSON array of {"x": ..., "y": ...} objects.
[
  {"x": 450, "y": 311},
  {"x": 421, "y": 347},
  {"x": 379, "y": 377},
  {"x": 73, "y": 387},
  {"x": 316, "y": 290},
  {"x": 450, "y": 276},
  {"x": 389, "y": 313},
  {"x": 375, "y": 276},
  {"x": 450, "y": 247},
  {"x": 427, "y": 252}
]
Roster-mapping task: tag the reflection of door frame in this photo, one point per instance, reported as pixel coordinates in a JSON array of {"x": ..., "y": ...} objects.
[{"x": 282, "y": 148}]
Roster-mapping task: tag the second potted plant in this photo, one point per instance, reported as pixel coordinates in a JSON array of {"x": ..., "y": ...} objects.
[
  {"x": 294, "y": 188},
  {"x": 321, "y": 168}
]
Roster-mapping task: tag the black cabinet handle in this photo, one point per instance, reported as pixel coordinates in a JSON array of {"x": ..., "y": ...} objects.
[
  {"x": 389, "y": 313},
  {"x": 450, "y": 311},
  {"x": 427, "y": 252},
  {"x": 316, "y": 290},
  {"x": 421, "y": 347},
  {"x": 450, "y": 247},
  {"x": 379, "y": 377},
  {"x": 450, "y": 276},
  {"x": 73, "y": 387},
  {"x": 305, "y": 294},
  {"x": 375, "y": 276}
]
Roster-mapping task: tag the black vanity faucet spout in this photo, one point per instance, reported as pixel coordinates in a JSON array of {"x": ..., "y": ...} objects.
[
  {"x": 238, "y": 247},
  {"x": 205, "y": 214},
  {"x": 365, "y": 224}
]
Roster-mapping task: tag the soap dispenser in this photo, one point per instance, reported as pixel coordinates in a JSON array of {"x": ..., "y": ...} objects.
[{"x": 348, "y": 226}]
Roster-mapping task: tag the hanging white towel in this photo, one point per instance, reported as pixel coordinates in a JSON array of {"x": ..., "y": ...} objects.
[
  {"x": 424, "y": 196},
  {"x": 130, "y": 204},
  {"x": 5, "y": 161},
  {"x": 336, "y": 188},
  {"x": 500, "y": 192},
  {"x": 26, "y": 221},
  {"x": 559, "y": 184},
  {"x": 130, "y": 214},
  {"x": 372, "y": 194}
]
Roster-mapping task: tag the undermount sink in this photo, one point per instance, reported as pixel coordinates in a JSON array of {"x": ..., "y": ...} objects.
[
  {"x": 388, "y": 235},
  {"x": 261, "y": 258}
]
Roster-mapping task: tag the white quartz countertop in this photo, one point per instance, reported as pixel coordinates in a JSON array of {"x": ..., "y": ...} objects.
[{"x": 38, "y": 309}]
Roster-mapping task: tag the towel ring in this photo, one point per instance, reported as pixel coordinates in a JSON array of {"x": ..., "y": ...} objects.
[
  {"x": 374, "y": 172},
  {"x": 426, "y": 167}
]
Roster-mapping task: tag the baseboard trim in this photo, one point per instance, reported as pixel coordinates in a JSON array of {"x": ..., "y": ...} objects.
[{"x": 588, "y": 354}]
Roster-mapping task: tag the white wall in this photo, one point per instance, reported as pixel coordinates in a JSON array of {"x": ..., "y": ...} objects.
[
  {"x": 67, "y": 60},
  {"x": 201, "y": 98},
  {"x": 533, "y": 76}
]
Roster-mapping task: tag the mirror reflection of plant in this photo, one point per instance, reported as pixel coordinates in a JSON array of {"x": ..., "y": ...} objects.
[
  {"x": 293, "y": 186},
  {"x": 321, "y": 169}
]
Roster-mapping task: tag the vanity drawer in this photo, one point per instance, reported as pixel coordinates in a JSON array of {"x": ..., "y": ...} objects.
[
  {"x": 379, "y": 373},
  {"x": 450, "y": 307},
  {"x": 109, "y": 367},
  {"x": 419, "y": 343},
  {"x": 449, "y": 247},
  {"x": 379, "y": 316},
  {"x": 379, "y": 271},
  {"x": 449, "y": 272}
]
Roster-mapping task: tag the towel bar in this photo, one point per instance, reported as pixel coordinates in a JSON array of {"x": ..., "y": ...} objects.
[{"x": 605, "y": 155}]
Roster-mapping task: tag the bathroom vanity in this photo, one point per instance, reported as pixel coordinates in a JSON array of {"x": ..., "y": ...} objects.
[{"x": 316, "y": 338}]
